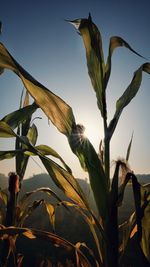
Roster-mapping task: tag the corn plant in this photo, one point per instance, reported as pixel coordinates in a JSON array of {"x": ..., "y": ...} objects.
[{"x": 108, "y": 193}]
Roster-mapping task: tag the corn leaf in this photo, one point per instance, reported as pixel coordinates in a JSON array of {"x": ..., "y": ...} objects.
[
  {"x": 6, "y": 131},
  {"x": 15, "y": 118},
  {"x": 62, "y": 178},
  {"x": 90, "y": 162},
  {"x": 127, "y": 96},
  {"x": 32, "y": 134},
  {"x": 53, "y": 106},
  {"x": 29, "y": 235},
  {"x": 9, "y": 154},
  {"x": 126, "y": 229},
  {"x": 115, "y": 42},
  {"x": 44, "y": 190},
  {"x": 46, "y": 150},
  {"x": 95, "y": 59},
  {"x": 65, "y": 181}
]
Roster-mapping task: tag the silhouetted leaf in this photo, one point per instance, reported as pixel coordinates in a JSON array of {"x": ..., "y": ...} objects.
[{"x": 115, "y": 42}]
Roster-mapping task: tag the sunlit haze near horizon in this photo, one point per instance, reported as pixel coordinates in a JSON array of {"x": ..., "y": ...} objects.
[{"x": 38, "y": 36}]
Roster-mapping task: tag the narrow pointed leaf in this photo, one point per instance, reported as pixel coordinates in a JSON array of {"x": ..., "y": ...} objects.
[
  {"x": 53, "y": 106},
  {"x": 95, "y": 59},
  {"x": 9, "y": 154},
  {"x": 115, "y": 42},
  {"x": 129, "y": 148},
  {"x": 127, "y": 96}
]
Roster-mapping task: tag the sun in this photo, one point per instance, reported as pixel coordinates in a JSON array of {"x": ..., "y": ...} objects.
[{"x": 93, "y": 133}]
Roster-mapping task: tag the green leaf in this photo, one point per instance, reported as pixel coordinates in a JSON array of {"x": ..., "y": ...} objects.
[
  {"x": 115, "y": 42},
  {"x": 95, "y": 59},
  {"x": 127, "y": 96},
  {"x": 15, "y": 118},
  {"x": 53, "y": 106}
]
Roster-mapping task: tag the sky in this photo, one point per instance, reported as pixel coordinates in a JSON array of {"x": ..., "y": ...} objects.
[{"x": 39, "y": 38}]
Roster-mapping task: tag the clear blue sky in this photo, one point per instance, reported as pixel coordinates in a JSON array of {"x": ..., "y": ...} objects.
[{"x": 37, "y": 35}]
